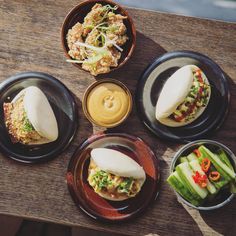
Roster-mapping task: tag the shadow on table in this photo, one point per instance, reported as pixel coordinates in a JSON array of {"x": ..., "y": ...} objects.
[
  {"x": 145, "y": 52},
  {"x": 85, "y": 128},
  {"x": 222, "y": 220},
  {"x": 227, "y": 132},
  {"x": 29, "y": 228}
]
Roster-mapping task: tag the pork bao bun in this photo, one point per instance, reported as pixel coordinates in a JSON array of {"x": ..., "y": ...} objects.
[
  {"x": 113, "y": 175},
  {"x": 30, "y": 119},
  {"x": 184, "y": 97}
]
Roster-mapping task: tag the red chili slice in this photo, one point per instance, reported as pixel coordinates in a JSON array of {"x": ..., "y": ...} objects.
[
  {"x": 214, "y": 175},
  {"x": 199, "y": 75},
  {"x": 205, "y": 165},
  {"x": 201, "y": 180},
  {"x": 179, "y": 118},
  {"x": 197, "y": 152},
  {"x": 200, "y": 90}
]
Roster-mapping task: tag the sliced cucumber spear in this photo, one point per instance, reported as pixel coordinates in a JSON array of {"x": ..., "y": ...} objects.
[
  {"x": 221, "y": 167},
  {"x": 223, "y": 156},
  {"x": 196, "y": 167},
  {"x": 183, "y": 159},
  {"x": 176, "y": 183},
  {"x": 186, "y": 174},
  {"x": 192, "y": 156}
]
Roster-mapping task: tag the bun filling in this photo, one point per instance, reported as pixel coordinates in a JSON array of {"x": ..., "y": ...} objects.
[
  {"x": 113, "y": 186},
  {"x": 197, "y": 98},
  {"x": 17, "y": 123}
]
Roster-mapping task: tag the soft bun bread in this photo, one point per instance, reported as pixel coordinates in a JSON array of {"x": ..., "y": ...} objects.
[
  {"x": 174, "y": 92},
  {"x": 117, "y": 163},
  {"x": 117, "y": 168},
  {"x": 40, "y": 113}
]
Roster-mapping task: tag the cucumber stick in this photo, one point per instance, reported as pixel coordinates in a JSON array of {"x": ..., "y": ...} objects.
[
  {"x": 176, "y": 183},
  {"x": 183, "y": 159},
  {"x": 192, "y": 156},
  {"x": 223, "y": 156},
  {"x": 186, "y": 174},
  {"x": 220, "y": 166},
  {"x": 196, "y": 167},
  {"x": 224, "y": 178}
]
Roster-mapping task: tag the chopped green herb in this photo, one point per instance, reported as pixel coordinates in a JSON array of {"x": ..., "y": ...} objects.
[
  {"x": 125, "y": 185},
  {"x": 101, "y": 179},
  {"x": 27, "y": 126}
]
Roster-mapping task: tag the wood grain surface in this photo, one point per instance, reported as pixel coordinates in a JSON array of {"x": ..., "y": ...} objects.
[{"x": 30, "y": 41}]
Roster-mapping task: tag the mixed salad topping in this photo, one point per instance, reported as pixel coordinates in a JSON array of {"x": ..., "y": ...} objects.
[
  {"x": 201, "y": 175},
  {"x": 96, "y": 43},
  {"x": 101, "y": 181},
  {"x": 197, "y": 98}
]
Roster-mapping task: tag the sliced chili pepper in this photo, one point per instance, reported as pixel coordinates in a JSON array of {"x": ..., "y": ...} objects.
[
  {"x": 196, "y": 177},
  {"x": 203, "y": 184},
  {"x": 197, "y": 152},
  {"x": 200, "y": 90},
  {"x": 179, "y": 118},
  {"x": 206, "y": 163},
  {"x": 200, "y": 79},
  {"x": 201, "y": 180},
  {"x": 199, "y": 75},
  {"x": 214, "y": 175}
]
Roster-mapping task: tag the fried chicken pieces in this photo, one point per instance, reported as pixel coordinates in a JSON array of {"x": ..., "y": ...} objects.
[{"x": 96, "y": 44}]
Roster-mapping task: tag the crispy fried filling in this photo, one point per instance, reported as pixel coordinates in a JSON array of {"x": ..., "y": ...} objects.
[
  {"x": 17, "y": 123},
  {"x": 112, "y": 185},
  {"x": 96, "y": 42}
]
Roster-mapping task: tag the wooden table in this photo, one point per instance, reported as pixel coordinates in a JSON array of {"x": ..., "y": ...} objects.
[{"x": 30, "y": 41}]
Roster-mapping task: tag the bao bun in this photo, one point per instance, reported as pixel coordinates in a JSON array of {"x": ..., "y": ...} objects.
[
  {"x": 39, "y": 113},
  {"x": 174, "y": 92},
  {"x": 118, "y": 164}
]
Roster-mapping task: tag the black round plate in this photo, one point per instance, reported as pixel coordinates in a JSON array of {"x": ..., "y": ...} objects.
[
  {"x": 63, "y": 105},
  {"x": 152, "y": 81}
]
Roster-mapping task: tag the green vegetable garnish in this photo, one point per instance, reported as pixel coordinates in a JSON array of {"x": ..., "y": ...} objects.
[
  {"x": 110, "y": 8},
  {"x": 106, "y": 9},
  {"x": 27, "y": 126},
  {"x": 101, "y": 179},
  {"x": 125, "y": 185}
]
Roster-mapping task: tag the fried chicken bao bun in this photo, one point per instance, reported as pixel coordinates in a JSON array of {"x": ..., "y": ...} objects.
[
  {"x": 118, "y": 169},
  {"x": 184, "y": 97},
  {"x": 38, "y": 112}
]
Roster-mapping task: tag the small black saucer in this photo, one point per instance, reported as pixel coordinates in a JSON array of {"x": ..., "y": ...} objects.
[
  {"x": 63, "y": 105},
  {"x": 152, "y": 81}
]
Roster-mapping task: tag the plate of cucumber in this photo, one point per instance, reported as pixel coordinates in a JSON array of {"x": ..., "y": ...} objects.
[{"x": 203, "y": 174}]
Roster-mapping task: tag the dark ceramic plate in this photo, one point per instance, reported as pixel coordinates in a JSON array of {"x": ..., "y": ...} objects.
[
  {"x": 78, "y": 13},
  {"x": 63, "y": 105},
  {"x": 94, "y": 205},
  {"x": 152, "y": 81}
]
